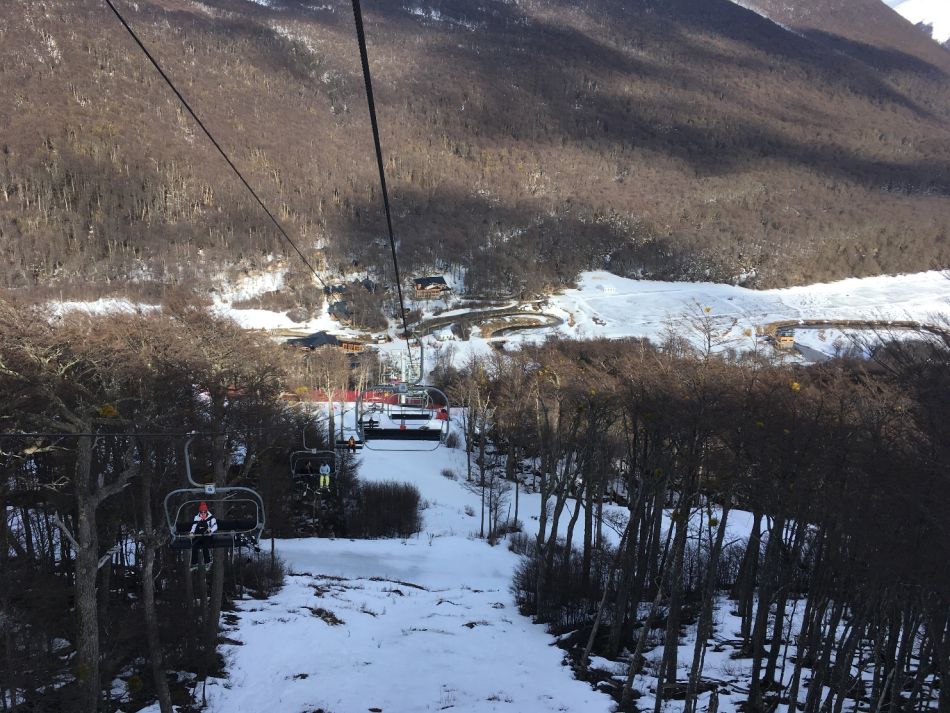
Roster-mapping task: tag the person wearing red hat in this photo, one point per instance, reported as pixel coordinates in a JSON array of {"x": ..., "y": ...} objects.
[{"x": 202, "y": 529}]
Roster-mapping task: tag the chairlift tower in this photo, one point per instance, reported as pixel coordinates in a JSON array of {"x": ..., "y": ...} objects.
[{"x": 406, "y": 366}]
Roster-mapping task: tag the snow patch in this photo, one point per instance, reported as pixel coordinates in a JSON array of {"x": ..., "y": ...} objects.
[
  {"x": 105, "y": 305},
  {"x": 753, "y": 7},
  {"x": 289, "y": 33},
  {"x": 428, "y": 13}
]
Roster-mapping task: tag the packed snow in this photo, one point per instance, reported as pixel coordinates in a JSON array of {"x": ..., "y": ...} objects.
[
  {"x": 405, "y": 625},
  {"x": 605, "y": 305},
  {"x": 420, "y": 624},
  {"x": 106, "y": 305},
  {"x": 833, "y": 343}
]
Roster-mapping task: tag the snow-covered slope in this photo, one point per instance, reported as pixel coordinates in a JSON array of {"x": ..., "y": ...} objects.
[
  {"x": 399, "y": 626},
  {"x": 935, "y": 13},
  {"x": 426, "y": 623},
  {"x": 607, "y": 306}
]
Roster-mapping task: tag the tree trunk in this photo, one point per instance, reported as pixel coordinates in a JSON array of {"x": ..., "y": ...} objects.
[
  {"x": 87, "y": 570},
  {"x": 621, "y": 603},
  {"x": 767, "y": 588},
  {"x": 744, "y": 589},
  {"x": 800, "y": 648},
  {"x": 152, "y": 637},
  {"x": 588, "y": 534},
  {"x": 820, "y": 666},
  {"x": 629, "y": 592},
  {"x": 569, "y": 537},
  {"x": 637, "y": 658},
  {"x": 704, "y": 625},
  {"x": 668, "y": 668},
  {"x": 621, "y": 548}
]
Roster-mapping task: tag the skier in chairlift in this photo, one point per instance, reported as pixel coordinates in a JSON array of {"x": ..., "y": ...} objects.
[
  {"x": 325, "y": 476},
  {"x": 203, "y": 527}
]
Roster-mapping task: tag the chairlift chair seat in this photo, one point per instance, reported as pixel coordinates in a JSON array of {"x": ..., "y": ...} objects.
[
  {"x": 343, "y": 444},
  {"x": 309, "y": 462},
  {"x": 231, "y": 533}
]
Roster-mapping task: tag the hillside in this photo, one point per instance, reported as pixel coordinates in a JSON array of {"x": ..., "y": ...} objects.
[{"x": 525, "y": 141}]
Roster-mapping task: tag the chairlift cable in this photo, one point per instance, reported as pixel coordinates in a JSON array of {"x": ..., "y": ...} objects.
[
  {"x": 103, "y": 434},
  {"x": 367, "y": 80},
  {"x": 135, "y": 434},
  {"x": 214, "y": 141}
]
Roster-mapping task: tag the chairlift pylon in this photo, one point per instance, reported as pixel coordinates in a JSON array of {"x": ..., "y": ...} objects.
[
  {"x": 239, "y": 512},
  {"x": 405, "y": 367}
]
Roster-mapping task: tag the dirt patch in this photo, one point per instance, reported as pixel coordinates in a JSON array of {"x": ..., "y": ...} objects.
[
  {"x": 396, "y": 581},
  {"x": 328, "y": 616}
]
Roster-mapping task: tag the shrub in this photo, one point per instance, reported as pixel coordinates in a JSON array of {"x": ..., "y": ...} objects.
[
  {"x": 387, "y": 509},
  {"x": 258, "y": 575},
  {"x": 521, "y": 544},
  {"x": 275, "y": 300},
  {"x": 506, "y": 528},
  {"x": 448, "y": 473},
  {"x": 298, "y": 314},
  {"x": 568, "y": 601}
]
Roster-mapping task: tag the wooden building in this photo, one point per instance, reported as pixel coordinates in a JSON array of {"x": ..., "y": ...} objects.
[
  {"x": 785, "y": 338},
  {"x": 430, "y": 287}
]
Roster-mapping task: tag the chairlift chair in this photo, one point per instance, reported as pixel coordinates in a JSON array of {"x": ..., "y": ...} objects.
[
  {"x": 410, "y": 413},
  {"x": 313, "y": 464},
  {"x": 342, "y": 444},
  {"x": 405, "y": 366},
  {"x": 309, "y": 462},
  {"x": 239, "y": 512},
  {"x": 315, "y": 468}
]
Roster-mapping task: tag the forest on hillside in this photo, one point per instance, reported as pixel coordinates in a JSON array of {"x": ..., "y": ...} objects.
[
  {"x": 840, "y": 582},
  {"x": 96, "y": 417},
  {"x": 687, "y": 140}
]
